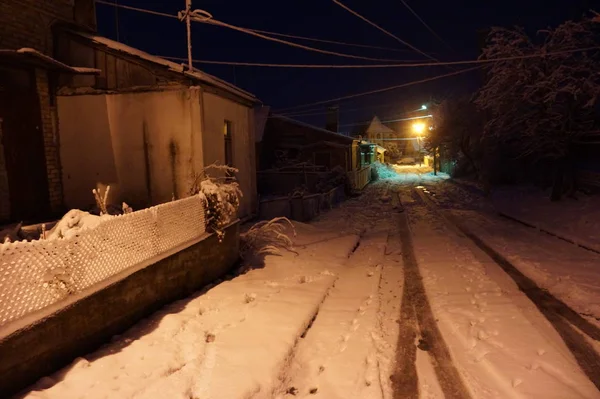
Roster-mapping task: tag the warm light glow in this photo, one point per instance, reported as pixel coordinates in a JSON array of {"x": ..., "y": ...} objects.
[{"x": 418, "y": 128}]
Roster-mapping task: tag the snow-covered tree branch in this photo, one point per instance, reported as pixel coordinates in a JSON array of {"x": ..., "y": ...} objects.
[{"x": 542, "y": 106}]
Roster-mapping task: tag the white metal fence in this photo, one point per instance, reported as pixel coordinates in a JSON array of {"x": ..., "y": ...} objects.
[{"x": 39, "y": 273}]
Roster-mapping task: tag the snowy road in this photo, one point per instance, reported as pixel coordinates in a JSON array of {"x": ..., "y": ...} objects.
[{"x": 386, "y": 298}]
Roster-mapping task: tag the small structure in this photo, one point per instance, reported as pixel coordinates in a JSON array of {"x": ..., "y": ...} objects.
[
  {"x": 301, "y": 152},
  {"x": 145, "y": 125}
]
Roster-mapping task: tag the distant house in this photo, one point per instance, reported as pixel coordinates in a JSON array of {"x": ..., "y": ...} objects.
[
  {"x": 145, "y": 125},
  {"x": 30, "y": 166},
  {"x": 288, "y": 145},
  {"x": 378, "y": 133}
]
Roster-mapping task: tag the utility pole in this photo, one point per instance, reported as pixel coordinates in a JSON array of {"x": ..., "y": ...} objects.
[
  {"x": 188, "y": 10},
  {"x": 117, "y": 18}
]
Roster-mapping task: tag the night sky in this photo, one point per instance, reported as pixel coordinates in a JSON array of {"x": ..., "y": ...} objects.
[{"x": 457, "y": 22}]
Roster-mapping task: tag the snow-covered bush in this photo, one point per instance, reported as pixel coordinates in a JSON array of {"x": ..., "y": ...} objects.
[
  {"x": 221, "y": 196},
  {"x": 266, "y": 238},
  {"x": 74, "y": 222},
  {"x": 382, "y": 171}
]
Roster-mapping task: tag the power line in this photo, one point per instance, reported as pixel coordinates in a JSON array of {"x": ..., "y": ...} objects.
[
  {"x": 143, "y": 10},
  {"x": 320, "y": 111},
  {"x": 381, "y": 90},
  {"x": 389, "y": 121},
  {"x": 329, "y": 41},
  {"x": 264, "y": 31},
  {"x": 274, "y": 65},
  {"x": 274, "y": 39},
  {"x": 425, "y": 24},
  {"x": 383, "y": 30},
  {"x": 212, "y": 21},
  {"x": 405, "y": 64},
  {"x": 400, "y": 63}
]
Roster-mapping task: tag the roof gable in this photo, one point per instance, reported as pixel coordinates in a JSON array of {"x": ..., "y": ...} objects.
[
  {"x": 195, "y": 74},
  {"x": 377, "y": 127}
]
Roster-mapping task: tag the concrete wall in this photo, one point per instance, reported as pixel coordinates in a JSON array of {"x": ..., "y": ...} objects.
[
  {"x": 216, "y": 110},
  {"x": 77, "y": 328},
  {"x": 145, "y": 145}
]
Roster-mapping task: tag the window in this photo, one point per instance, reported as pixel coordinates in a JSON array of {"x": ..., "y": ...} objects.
[{"x": 228, "y": 144}]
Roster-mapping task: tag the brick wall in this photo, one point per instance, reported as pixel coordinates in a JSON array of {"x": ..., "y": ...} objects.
[
  {"x": 51, "y": 140},
  {"x": 28, "y": 23}
]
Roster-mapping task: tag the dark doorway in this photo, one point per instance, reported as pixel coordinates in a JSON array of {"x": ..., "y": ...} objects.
[{"x": 23, "y": 142}]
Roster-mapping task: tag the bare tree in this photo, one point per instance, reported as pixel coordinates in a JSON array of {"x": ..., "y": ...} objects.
[{"x": 542, "y": 106}]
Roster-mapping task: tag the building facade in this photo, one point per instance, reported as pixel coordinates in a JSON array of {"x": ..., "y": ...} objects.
[
  {"x": 147, "y": 125},
  {"x": 30, "y": 168}
]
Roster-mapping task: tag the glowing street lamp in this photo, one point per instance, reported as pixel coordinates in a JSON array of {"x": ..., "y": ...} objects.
[
  {"x": 418, "y": 128},
  {"x": 423, "y": 106}
]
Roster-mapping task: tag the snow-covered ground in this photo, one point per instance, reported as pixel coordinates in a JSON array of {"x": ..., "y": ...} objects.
[
  {"x": 570, "y": 273},
  {"x": 238, "y": 339},
  {"x": 575, "y": 219},
  {"x": 567, "y": 271},
  {"x": 500, "y": 348},
  {"x": 381, "y": 296}
]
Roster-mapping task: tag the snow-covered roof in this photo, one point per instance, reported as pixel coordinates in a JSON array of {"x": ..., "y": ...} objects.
[
  {"x": 377, "y": 127},
  {"x": 196, "y": 74},
  {"x": 298, "y": 123},
  {"x": 34, "y": 56}
]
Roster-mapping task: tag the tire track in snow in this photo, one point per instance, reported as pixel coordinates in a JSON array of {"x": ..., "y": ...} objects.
[
  {"x": 416, "y": 314},
  {"x": 561, "y": 316}
]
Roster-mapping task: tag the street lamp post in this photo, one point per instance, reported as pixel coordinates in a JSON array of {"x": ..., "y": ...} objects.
[{"x": 419, "y": 129}]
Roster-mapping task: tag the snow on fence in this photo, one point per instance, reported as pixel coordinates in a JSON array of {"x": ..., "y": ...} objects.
[{"x": 36, "y": 274}]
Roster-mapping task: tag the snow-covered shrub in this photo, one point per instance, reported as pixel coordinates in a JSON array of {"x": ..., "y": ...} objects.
[
  {"x": 73, "y": 223},
  {"x": 221, "y": 196},
  {"x": 382, "y": 171},
  {"x": 266, "y": 238}
]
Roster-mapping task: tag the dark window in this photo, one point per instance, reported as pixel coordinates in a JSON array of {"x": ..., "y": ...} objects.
[{"x": 228, "y": 143}]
